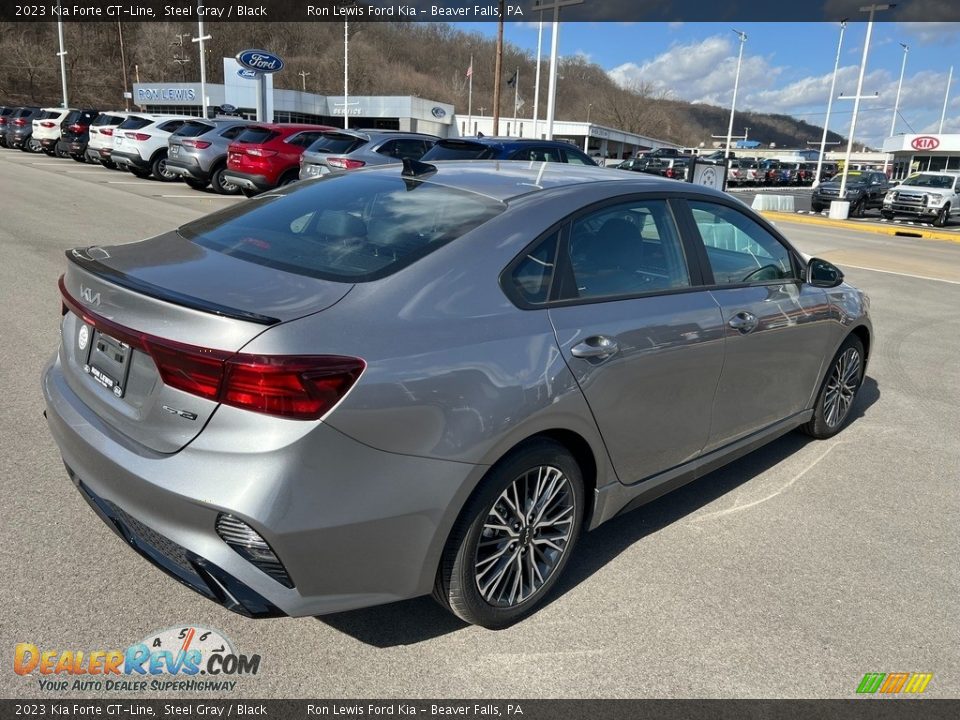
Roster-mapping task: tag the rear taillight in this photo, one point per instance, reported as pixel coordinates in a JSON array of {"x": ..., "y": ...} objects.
[
  {"x": 3, "y": 121},
  {"x": 138, "y": 136},
  {"x": 76, "y": 128},
  {"x": 299, "y": 387},
  {"x": 669, "y": 172},
  {"x": 344, "y": 163},
  {"x": 19, "y": 122},
  {"x": 106, "y": 131},
  {"x": 199, "y": 144},
  {"x": 260, "y": 152},
  {"x": 48, "y": 124}
]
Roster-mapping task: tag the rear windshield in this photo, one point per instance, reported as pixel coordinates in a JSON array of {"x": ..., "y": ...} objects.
[
  {"x": 336, "y": 143},
  {"x": 193, "y": 128},
  {"x": 457, "y": 150},
  {"x": 347, "y": 228},
  {"x": 23, "y": 112},
  {"x": 257, "y": 135},
  {"x": 134, "y": 123},
  {"x": 72, "y": 116},
  {"x": 6, "y": 111},
  {"x": 107, "y": 120},
  {"x": 47, "y": 114}
]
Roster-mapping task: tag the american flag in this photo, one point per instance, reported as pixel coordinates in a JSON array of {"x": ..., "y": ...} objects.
[{"x": 470, "y": 70}]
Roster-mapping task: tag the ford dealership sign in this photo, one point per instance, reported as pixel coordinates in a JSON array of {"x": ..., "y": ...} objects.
[
  {"x": 247, "y": 74},
  {"x": 260, "y": 61}
]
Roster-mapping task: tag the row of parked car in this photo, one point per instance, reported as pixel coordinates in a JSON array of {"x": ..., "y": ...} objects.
[
  {"x": 234, "y": 155},
  {"x": 742, "y": 171}
]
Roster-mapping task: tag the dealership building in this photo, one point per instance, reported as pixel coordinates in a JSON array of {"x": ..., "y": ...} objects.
[
  {"x": 388, "y": 112},
  {"x": 916, "y": 153}
]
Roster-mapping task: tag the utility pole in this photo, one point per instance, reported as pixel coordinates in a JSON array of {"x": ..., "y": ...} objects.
[
  {"x": 303, "y": 79},
  {"x": 896, "y": 104},
  {"x": 833, "y": 87},
  {"x": 536, "y": 85},
  {"x": 497, "y": 69}
]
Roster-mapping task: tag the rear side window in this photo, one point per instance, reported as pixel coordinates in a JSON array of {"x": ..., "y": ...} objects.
[
  {"x": 192, "y": 128},
  {"x": 347, "y": 228},
  {"x": 533, "y": 275},
  {"x": 171, "y": 126},
  {"x": 458, "y": 150},
  {"x": 625, "y": 250},
  {"x": 336, "y": 144},
  {"x": 575, "y": 157},
  {"x": 257, "y": 135},
  {"x": 233, "y": 132},
  {"x": 135, "y": 122}
]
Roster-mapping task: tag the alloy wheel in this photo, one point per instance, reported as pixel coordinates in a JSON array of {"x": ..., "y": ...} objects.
[
  {"x": 525, "y": 536},
  {"x": 841, "y": 387}
]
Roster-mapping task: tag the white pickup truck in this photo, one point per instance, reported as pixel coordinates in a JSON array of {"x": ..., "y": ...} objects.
[{"x": 931, "y": 196}]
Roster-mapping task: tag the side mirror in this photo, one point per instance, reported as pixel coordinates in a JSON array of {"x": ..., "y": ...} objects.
[{"x": 823, "y": 274}]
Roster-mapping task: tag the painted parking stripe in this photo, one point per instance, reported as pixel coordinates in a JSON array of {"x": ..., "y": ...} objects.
[
  {"x": 903, "y": 274},
  {"x": 129, "y": 182},
  {"x": 200, "y": 197}
]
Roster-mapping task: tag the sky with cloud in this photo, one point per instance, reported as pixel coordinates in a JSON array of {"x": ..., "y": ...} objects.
[{"x": 787, "y": 67}]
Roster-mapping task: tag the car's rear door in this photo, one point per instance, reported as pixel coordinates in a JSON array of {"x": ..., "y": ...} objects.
[
  {"x": 642, "y": 338},
  {"x": 777, "y": 328}
]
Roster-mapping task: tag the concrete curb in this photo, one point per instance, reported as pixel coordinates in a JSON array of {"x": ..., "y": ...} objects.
[{"x": 900, "y": 230}]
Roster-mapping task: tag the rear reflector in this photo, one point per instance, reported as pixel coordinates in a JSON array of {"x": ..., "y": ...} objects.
[
  {"x": 199, "y": 144},
  {"x": 248, "y": 543},
  {"x": 138, "y": 136},
  {"x": 299, "y": 387},
  {"x": 344, "y": 163}
]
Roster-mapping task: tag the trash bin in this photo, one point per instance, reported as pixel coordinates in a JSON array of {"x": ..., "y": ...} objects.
[{"x": 839, "y": 210}]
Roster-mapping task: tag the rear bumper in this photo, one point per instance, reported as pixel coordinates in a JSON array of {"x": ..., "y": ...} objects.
[
  {"x": 353, "y": 526},
  {"x": 125, "y": 160},
  {"x": 249, "y": 181},
  {"x": 187, "y": 168}
]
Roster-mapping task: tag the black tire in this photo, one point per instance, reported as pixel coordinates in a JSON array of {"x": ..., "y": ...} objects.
[
  {"x": 816, "y": 208},
  {"x": 943, "y": 217},
  {"x": 458, "y": 581},
  {"x": 52, "y": 152},
  {"x": 247, "y": 192},
  {"x": 109, "y": 164},
  {"x": 33, "y": 146},
  {"x": 886, "y": 215},
  {"x": 858, "y": 208},
  {"x": 79, "y": 158},
  {"x": 289, "y": 178},
  {"x": 195, "y": 184},
  {"x": 220, "y": 184},
  {"x": 824, "y": 423},
  {"x": 142, "y": 174},
  {"x": 60, "y": 151},
  {"x": 158, "y": 168}
]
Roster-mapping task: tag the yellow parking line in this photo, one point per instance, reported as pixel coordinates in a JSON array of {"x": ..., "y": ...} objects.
[{"x": 913, "y": 230}]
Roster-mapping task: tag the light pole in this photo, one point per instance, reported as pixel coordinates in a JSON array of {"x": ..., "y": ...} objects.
[
  {"x": 856, "y": 100},
  {"x": 203, "y": 59},
  {"x": 943, "y": 115},
  {"x": 63, "y": 59},
  {"x": 589, "y": 108},
  {"x": 554, "y": 44},
  {"x": 896, "y": 104},
  {"x": 833, "y": 88},
  {"x": 736, "y": 85},
  {"x": 123, "y": 67},
  {"x": 536, "y": 84},
  {"x": 497, "y": 69}
]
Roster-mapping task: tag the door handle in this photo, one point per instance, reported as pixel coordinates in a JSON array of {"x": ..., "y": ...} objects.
[
  {"x": 598, "y": 346},
  {"x": 743, "y": 322}
]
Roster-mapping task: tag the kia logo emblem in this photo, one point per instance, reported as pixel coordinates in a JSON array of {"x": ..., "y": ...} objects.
[
  {"x": 260, "y": 61},
  {"x": 925, "y": 142}
]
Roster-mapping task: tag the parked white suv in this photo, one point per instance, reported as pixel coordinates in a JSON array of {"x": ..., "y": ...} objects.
[
  {"x": 100, "y": 145},
  {"x": 46, "y": 128},
  {"x": 140, "y": 144},
  {"x": 933, "y": 195}
]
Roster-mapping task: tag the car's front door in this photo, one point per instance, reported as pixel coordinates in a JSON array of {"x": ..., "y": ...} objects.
[
  {"x": 642, "y": 338},
  {"x": 777, "y": 327}
]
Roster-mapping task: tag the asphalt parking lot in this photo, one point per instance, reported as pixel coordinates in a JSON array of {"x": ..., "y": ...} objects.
[{"x": 789, "y": 573}]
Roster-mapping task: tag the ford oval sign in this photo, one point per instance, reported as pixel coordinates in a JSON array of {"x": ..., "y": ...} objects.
[
  {"x": 260, "y": 61},
  {"x": 438, "y": 112},
  {"x": 247, "y": 74},
  {"x": 925, "y": 142}
]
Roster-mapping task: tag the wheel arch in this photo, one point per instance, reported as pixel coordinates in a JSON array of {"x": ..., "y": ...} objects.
[{"x": 863, "y": 333}]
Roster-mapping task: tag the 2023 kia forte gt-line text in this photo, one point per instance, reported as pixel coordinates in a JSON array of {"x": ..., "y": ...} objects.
[{"x": 431, "y": 379}]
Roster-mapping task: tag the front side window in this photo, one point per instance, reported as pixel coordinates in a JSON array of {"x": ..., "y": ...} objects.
[
  {"x": 627, "y": 249},
  {"x": 738, "y": 248}
]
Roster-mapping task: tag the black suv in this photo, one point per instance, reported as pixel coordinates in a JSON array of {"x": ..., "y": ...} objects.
[
  {"x": 865, "y": 191},
  {"x": 506, "y": 148},
  {"x": 75, "y": 133}
]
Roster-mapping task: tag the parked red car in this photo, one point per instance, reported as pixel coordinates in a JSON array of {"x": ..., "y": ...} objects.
[{"x": 267, "y": 155}]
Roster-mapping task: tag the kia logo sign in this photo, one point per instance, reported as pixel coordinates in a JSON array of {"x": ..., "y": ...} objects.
[
  {"x": 925, "y": 142},
  {"x": 438, "y": 112},
  {"x": 260, "y": 61},
  {"x": 247, "y": 74}
]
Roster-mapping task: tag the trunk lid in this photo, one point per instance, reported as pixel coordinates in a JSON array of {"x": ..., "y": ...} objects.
[{"x": 131, "y": 308}]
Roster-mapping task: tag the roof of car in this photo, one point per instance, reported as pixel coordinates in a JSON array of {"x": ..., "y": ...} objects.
[
  {"x": 292, "y": 127},
  {"x": 504, "y": 140},
  {"x": 507, "y": 179}
]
